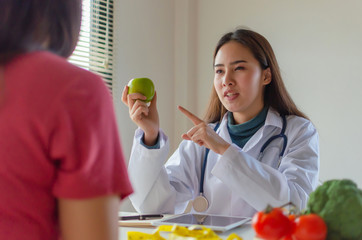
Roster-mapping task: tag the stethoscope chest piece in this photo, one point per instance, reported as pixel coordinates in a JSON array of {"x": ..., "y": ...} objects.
[{"x": 200, "y": 204}]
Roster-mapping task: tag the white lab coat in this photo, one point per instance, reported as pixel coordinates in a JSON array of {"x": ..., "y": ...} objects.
[{"x": 236, "y": 183}]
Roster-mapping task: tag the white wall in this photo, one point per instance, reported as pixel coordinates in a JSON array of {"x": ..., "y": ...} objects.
[
  {"x": 185, "y": 91},
  {"x": 317, "y": 44}
]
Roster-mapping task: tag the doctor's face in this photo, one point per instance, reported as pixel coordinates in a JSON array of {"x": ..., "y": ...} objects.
[{"x": 239, "y": 81}]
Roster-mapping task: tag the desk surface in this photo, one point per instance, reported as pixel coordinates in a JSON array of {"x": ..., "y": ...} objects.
[{"x": 245, "y": 231}]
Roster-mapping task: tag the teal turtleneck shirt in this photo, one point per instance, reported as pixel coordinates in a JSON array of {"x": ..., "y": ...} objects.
[{"x": 241, "y": 133}]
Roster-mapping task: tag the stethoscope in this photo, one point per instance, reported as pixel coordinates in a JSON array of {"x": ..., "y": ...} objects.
[{"x": 200, "y": 203}]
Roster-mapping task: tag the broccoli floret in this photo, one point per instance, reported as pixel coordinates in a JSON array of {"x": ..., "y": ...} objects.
[{"x": 339, "y": 203}]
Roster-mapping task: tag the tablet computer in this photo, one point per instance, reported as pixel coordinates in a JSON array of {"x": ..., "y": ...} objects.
[{"x": 215, "y": 222}]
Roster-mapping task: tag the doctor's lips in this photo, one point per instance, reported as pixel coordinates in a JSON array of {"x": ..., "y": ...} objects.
[{"x": 230, "y": 94}]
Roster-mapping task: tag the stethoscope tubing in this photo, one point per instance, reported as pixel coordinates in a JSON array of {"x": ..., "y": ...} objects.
[
  {"x": 204, "y": 165},
  {"x": 280, "y": 135}
]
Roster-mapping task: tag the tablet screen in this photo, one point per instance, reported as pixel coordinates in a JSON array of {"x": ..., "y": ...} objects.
[{"x": 215, "y": 222}]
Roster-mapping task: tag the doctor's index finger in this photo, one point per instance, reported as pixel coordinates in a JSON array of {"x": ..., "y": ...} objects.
[
  {"x": 190, "y": 115},
  {"x": 124, "y": 95}
]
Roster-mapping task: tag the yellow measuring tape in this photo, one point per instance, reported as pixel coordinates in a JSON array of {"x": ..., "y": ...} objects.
[{"x": 181, "y": 233}]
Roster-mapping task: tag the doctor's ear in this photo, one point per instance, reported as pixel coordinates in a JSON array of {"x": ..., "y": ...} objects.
[{"x": 267, "y": 76}]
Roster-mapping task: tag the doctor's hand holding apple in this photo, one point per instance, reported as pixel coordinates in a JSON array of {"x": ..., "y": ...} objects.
[
  {"x": 140, "y": 92},
  {"x": 140, "y": 97}
]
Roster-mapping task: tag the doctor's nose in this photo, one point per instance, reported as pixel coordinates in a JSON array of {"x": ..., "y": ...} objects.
[{"x": 227, "y": 80}]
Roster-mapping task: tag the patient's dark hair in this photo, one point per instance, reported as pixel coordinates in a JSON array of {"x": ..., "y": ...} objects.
[{"x": 30, "y": 25}]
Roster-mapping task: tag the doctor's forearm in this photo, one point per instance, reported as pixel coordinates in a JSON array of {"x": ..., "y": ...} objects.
[
  {"x": 258, "y": 184},
  {"x": 148, "y": 175},
  {"x": 150, "y": 139},
  {"x": 220, "y": 146}
]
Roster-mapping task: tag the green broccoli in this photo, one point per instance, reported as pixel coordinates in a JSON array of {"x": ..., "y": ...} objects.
[{"x": 339, "y": 203}]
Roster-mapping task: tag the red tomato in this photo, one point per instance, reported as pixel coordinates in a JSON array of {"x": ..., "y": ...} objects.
[
  {"x": 310, "y": 227},
  {"x": 289, "y": 237},
  {"x": 293, "y": 225},
  {"x": 271, "y": 225}
]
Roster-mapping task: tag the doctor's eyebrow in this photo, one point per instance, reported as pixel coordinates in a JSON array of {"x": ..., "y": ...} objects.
[{"x": 232, "y": 63}]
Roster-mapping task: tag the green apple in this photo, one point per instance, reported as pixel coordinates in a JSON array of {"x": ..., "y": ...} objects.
[{"x": 142, "y": 85}]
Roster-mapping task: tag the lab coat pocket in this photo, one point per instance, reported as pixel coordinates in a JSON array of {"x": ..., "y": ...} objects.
[{"x": 271, "y": 156}]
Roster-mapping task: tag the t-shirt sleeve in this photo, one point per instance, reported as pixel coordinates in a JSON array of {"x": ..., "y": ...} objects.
[{"x": 84, "y": 143}]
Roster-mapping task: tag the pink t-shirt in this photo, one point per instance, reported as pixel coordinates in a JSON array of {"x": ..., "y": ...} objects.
[{"x": 58, "y": 139}]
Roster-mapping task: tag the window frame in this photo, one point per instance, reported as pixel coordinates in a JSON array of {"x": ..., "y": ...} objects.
[{"x": 94, "y": 50}]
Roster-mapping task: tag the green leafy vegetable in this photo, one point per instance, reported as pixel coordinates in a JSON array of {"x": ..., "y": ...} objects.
[{"x": 339, "y": 203}]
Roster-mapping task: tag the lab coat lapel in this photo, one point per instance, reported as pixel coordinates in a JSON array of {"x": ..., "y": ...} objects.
[{"x": 223, "y": 130}]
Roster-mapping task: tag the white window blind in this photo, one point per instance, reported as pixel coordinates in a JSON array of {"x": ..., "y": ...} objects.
[{"x": 94, "y": 50}]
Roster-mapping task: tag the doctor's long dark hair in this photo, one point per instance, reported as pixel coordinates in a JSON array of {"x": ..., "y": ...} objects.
[{"x": 275, "y": 94}]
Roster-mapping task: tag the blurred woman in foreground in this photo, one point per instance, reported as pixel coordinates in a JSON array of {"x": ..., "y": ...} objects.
[{"x": 62, "y": 171}]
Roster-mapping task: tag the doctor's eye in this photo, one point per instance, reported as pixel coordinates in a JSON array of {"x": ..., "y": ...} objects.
[
  {"x": 239, "y": 68},
  {"x": 218, "y": 71}
]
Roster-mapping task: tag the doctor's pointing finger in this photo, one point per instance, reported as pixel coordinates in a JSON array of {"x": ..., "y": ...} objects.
[
  {"x": 190, "y": 115},
  {"x": 203, "y": 135}
]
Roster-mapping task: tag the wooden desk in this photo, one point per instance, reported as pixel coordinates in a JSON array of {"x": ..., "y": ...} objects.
[{"x": 245, "y": 231}]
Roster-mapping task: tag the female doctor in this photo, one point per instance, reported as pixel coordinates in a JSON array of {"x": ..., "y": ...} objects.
[{"x": 253, "y": 148}]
